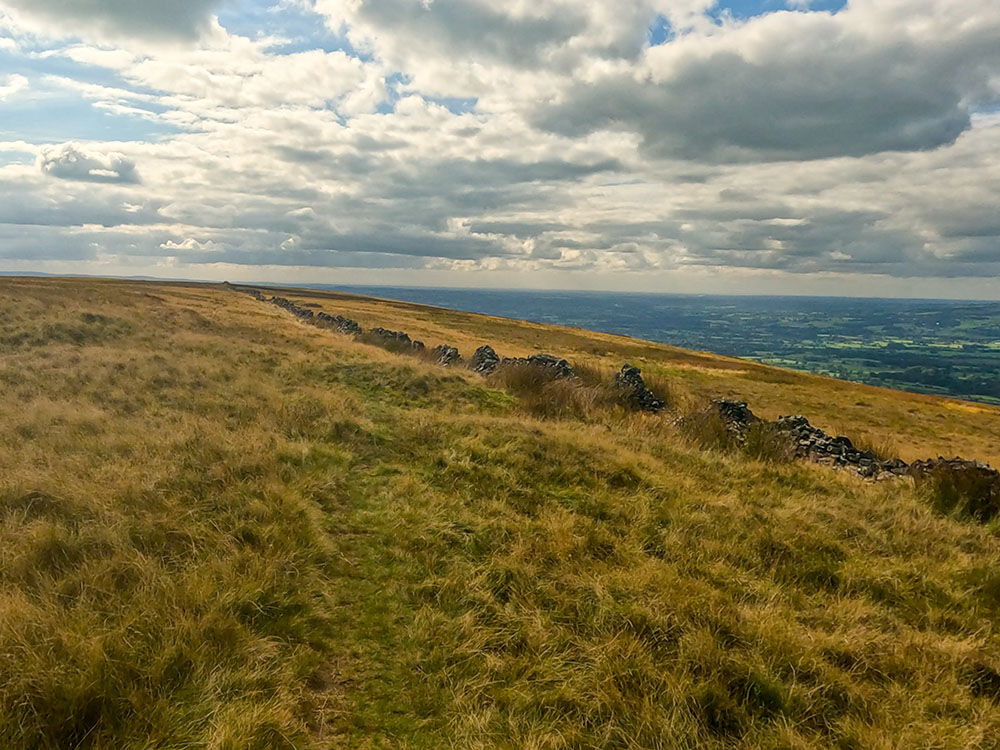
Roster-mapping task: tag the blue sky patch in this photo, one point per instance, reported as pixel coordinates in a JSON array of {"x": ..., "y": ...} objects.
[
  {"x": 67, "y": 116},
  {"x": 302, "y": 28}
]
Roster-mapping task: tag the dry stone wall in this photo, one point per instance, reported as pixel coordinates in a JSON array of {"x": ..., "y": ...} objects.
[
  {"x": 977, "y": 480},
  {"x": 979, "y": 483},
  {"x": 395, "y": 339},
  {"x": 338, "y": 323},
  {"x": 446, "y": 356},
  {"x": 631, "y": 385},
  {"x": 484, "y": 360},
  {"x": 554, "y": 367}
]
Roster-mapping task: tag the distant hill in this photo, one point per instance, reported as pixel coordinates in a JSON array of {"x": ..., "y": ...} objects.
[{"x": 222, "y": 526}]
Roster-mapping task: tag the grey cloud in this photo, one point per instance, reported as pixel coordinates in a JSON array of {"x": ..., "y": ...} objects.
[
  {"x": 156, "y": 19},
  {"x": 375, "y": 249},
  {"x": 392, "y": 242},
  {"x": 71, "y": 162},
  {"x": 520, "y": 229},
  {"x": 822, "y": 87},
  {"x": 25, "y": 204},
  {"x": 38, "y": 243},
  {"x": 471, "y": 28},
  {"x": 447, "y": 173}
]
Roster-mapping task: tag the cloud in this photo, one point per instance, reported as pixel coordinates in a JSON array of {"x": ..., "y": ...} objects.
[
  {"x": 14, "y": 84},
  {"x": 524, "y": 141},
  {"x": 70, "y": 161},
  {"x": 792, "y": 85},
  {"x": 150, "y": 19},
  {"x": 477, "y": 48},
  {"x": 486, "y": 31}
]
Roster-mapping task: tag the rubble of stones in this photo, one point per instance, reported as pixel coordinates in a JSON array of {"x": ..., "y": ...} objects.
[
  {"x": 395, "y": 339},
  {"x": 814, "y": 444},
  {"x": 554, "y": 367},
  {"x": 484, "y": 360},
  {"x": 338, "y": 323},
  {"x": 811, "y": 443},
  {"x": 806, "y": 441},
  {"x": 633, "y": 388},
  {"x": 446, "y": 356},
  {"x": 736, "y": 416}
]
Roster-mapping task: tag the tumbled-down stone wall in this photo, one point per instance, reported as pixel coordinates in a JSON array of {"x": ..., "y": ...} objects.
[
  {"x": 338, "y": 323},
  {"x": 556, "y": 367},
  {"x": 484, "y": 360},
  {"x": 445, "y": 355},
  {"x": 287, "y": 304},
  {"x": 630, "y": 383},
  {"x": 396, "y": 339},
  {"x": 811, "y": 443},
  {"x": 805, "y": 441}
]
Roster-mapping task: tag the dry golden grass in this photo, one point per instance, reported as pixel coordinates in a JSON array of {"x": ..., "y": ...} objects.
[
  {"x": 223, "y": 528},
  {"x": 919, "y": 425}
]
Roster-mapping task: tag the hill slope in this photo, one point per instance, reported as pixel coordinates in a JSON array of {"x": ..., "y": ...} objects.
[{"x": 220, "y": 527}]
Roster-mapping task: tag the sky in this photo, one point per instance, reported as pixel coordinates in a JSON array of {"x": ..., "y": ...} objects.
[{"x": 750, "y": 146}]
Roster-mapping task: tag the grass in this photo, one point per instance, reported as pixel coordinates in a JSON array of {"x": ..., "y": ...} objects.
[
  {"x": 543, "y": 395},
  {"x": 223, "y": 528},
  {"x": 884, "y": 448}
]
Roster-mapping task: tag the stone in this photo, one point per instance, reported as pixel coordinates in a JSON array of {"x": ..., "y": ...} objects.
[
  {"x": 484, "y": 360},
  {"x": 736, "y": 415},
  {"x": 555, "y": 367},
  {"x": 339, "y": 323},
  {"x": 630, "y": 383},
  {"x": 445, "y": 355}
]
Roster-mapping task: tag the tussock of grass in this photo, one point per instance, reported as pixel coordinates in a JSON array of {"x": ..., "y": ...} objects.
[
  {"x": 765, "y": 443},
  {"x": 542, "y": 394},
  {"x": 221, "y": 529},
  {"x": 705, "y": 428},
  {"x": 964, "y": 494},
  {"x": 884, "y": 448}
]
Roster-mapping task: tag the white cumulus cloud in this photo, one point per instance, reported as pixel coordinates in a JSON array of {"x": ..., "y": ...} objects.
[{"x": 12, "y": 85}]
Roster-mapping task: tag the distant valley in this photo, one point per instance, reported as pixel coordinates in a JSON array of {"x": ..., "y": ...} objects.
[{"x": 944, "y": 347}]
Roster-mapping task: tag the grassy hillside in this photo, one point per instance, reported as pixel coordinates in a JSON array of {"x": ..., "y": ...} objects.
[{"x": 222, "y": 528}]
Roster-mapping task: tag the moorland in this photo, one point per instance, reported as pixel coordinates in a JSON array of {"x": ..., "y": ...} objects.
[
  {"x": 222, "y": 527},
  {"x": 944, "y": 347}
]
